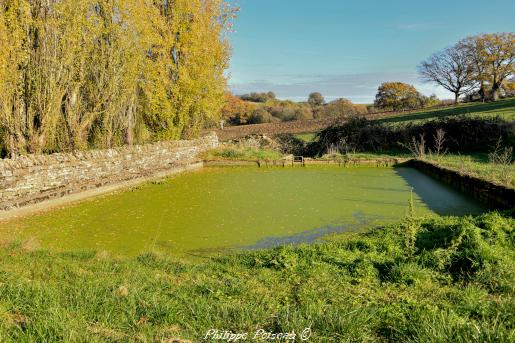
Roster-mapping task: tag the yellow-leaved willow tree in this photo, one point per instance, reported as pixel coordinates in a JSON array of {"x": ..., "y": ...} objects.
[
  {"x": 188, "y": 73},
  {"x": 77, "y": 74}
]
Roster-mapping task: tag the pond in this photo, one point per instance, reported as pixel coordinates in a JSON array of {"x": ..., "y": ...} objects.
[{"x": 220, "y": 208}]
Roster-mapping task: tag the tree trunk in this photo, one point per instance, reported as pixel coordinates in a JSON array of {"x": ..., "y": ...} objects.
[
  {"x": 456, "y": 98},
  {"x": 482, "y": 92},
  {"x": 494, "y": 95},
  {"x": 12, "y": 146},
  {"x": 129, "y": 134}
]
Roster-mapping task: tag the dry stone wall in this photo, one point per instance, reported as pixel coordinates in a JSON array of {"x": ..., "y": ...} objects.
[{"x": 34, "y": 178}]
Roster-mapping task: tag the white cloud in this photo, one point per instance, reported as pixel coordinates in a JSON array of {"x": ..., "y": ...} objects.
[{"x": 417, "y": 26}]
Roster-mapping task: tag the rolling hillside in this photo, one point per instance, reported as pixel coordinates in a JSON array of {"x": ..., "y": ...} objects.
[{"x": 503, "y": 108}]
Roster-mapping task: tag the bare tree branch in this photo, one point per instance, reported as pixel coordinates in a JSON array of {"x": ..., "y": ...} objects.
[{"x": 451, "y": 69}]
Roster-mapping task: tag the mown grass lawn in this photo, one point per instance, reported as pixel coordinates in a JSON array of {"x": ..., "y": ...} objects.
[{"x": 423, "y": 280}]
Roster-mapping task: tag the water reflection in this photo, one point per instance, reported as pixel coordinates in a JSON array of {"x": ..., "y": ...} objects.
[
  {"x": 361, "y": 220},
  {"x": 439, "y": 197}
]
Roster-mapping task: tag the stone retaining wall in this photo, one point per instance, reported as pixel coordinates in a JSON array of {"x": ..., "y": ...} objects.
[
  {"x": 494, "y": 196},
  {"x": 288, "y": 162},
  {"x": 34, "y": 178}
]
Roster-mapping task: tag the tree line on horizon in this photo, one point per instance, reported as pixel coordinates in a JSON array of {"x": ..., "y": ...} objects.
[
  {"x": 79, "y": 74},
  {"x": 479, "y": 68},
  {"x": 264, "y": 107}
]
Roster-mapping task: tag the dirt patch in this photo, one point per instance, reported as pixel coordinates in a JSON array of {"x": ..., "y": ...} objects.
[
  {"x": 302, "y": 126},
  {"x": 273, "y": 129}
]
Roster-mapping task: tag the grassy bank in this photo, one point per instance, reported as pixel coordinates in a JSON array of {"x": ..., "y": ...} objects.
[
  {"x": 504, "y": 109},
  {"x": 478, "y": 165},
  {"x": 238, "y": 153},
  {"x": 423, "y": 280},
  {"x": 474, "y": 164}
]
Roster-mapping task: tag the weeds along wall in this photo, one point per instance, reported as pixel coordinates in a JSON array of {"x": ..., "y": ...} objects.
[{"x": 34, "y": 178}]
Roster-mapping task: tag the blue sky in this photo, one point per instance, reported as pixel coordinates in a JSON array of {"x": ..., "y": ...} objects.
[{"x": 346, "y": 48}]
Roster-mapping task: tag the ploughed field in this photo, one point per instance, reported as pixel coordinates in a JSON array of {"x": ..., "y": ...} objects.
[
  {"x": 218, "y": 209},
  {"x": 504, "y": 109}
]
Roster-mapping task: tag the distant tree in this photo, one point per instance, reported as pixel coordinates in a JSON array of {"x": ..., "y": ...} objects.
[
  {"x": 316, "y": 99},
  {"x": 259, "y": 116},
  {"x": 303, "y": 113},
  {"x": 495, "y": 56},
  {"x": 432, "y": 100},
  {"x": 451, "y": 69},
  {"x": 398, "y": 96},
  {"x": 236, "y": 111},
  {"x": 473, "y": 47},
  {"x": 258, "y": 97},
  {"x": 282, "y": 112},
  {"x": 340, "y": 108}
]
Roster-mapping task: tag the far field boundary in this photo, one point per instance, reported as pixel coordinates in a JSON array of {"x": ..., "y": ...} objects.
[{"x": 313, "y": 125}]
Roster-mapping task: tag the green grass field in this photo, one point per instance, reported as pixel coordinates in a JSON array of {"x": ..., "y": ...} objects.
[
  {"x": 423, "y": 280},
  {"x": 503, "y": 108}
]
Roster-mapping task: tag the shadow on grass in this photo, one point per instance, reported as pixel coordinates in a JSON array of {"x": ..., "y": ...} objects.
[{"x": 436, "y": 237}]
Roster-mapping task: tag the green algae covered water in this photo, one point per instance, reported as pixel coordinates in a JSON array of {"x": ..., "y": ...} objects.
[{"x": 216, "y": 209}]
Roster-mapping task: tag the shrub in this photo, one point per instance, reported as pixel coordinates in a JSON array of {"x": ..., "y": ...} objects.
[
  {"x": 291, "y": 144},
  {"x": 258, "y": 97},
  {"x": 302, "y": 113},
  {"x": 461, "y": 135},
  {"x": 341, "y": 108},
  {"x": 260, "y": 116}
]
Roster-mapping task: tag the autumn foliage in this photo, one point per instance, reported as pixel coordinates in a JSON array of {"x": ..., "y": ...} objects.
[
  {"x": 482, "y": 65},
  {"x": 77, "y": 74},
  {"x": 398, "y": 96},
  {"x": 237, "y": 110},
  {"x": 259, "y": 108}
]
